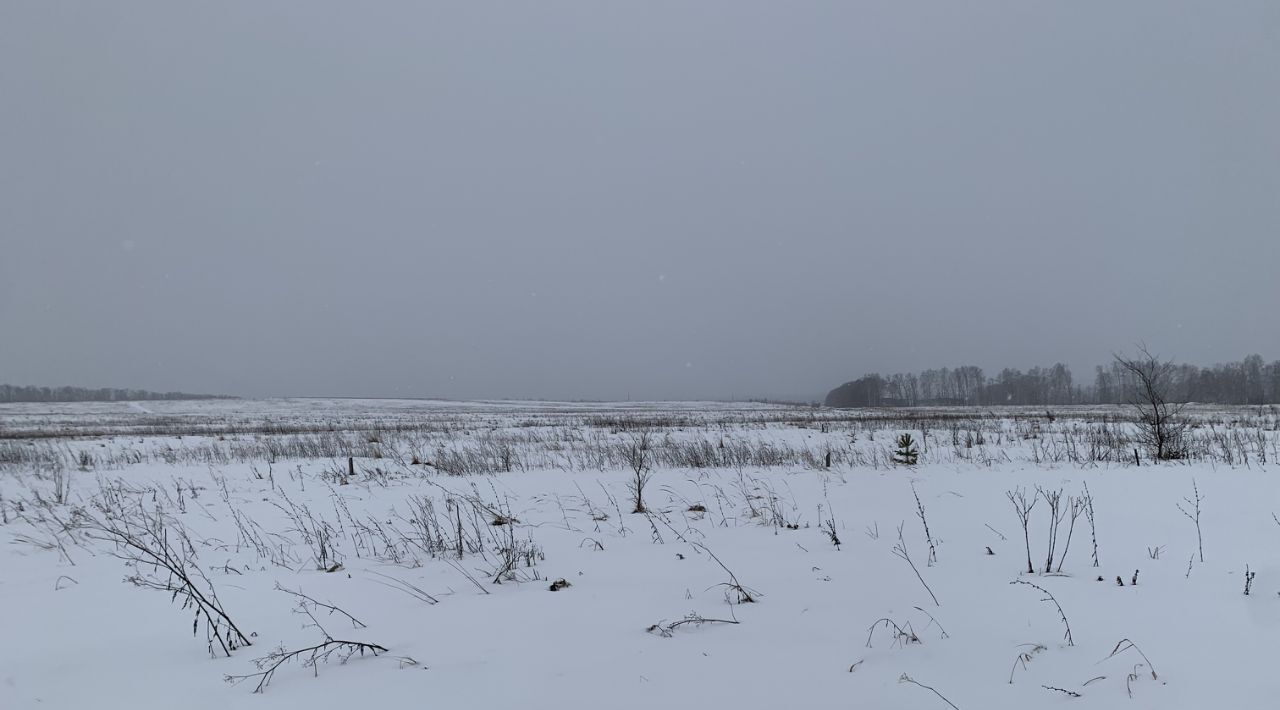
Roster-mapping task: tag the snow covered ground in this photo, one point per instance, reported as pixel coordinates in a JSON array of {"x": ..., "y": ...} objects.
[{"x": 444, "y": 545}]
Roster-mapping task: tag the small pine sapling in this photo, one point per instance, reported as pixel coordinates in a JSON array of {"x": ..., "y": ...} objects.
[{"x": 907, "y": 454}]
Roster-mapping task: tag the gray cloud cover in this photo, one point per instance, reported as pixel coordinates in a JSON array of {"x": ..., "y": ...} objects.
[{"x": 649, "y": 199}]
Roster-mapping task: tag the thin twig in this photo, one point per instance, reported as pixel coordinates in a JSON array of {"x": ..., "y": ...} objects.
[
  {"x": 904, "y": 678},
  {"x": 330, "y": 607},
  {"x": 313, "y": 656}
]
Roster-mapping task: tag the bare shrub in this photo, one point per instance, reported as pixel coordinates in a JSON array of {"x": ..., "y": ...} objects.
[
  {"x": 1022, "y": 508},
  {"x": 1161, "y": 426}
]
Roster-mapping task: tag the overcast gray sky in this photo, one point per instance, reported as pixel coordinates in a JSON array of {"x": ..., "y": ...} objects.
[{"x": 645, "y": 199}]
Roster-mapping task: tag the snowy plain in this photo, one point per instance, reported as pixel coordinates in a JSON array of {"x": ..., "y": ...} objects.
[{"x": 460, "y": 517}]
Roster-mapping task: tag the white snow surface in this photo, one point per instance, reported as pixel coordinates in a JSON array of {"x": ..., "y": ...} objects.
[{"x": 77, "y": 636}]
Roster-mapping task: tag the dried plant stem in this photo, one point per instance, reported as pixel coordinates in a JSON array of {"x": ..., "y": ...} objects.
[
  {"x": 900, "y": 550},
  {"x": 1050, "y": 598}
]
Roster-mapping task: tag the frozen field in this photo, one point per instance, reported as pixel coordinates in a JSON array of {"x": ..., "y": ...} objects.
[{"x": 157, "y": 550}]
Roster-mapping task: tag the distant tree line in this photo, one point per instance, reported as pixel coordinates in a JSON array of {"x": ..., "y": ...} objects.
[
  {"x": 1249, "y": 381},
  {"x": 15, "y": 393}
]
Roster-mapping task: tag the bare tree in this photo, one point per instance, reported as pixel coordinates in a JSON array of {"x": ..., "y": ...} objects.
[
  {"x": 1161, "y": 425},
  {"x": 637, "y": 456}
]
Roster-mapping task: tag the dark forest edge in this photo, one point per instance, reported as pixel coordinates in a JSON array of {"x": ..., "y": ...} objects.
[
  {"x": 1249, "y": 381},
  {"x": 15, "y": 393}
]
